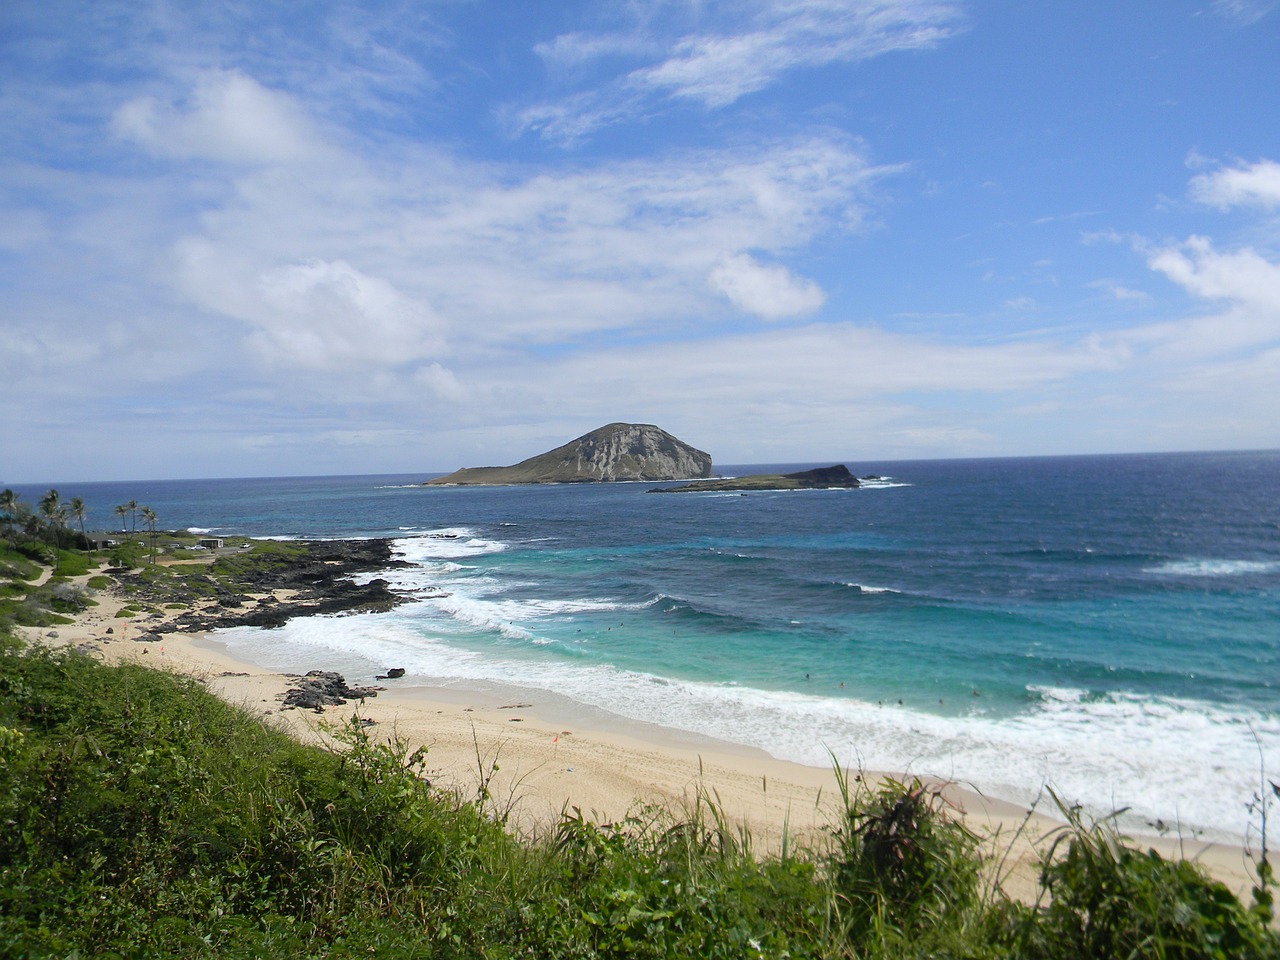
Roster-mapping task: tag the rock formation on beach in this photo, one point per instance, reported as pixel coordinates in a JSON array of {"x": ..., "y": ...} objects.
[
  {"x": 618, "y": 451},
  {"x": 820, "y": 478}
]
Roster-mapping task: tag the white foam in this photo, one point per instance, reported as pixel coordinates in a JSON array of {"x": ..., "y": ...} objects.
[
  {"x": 881, "y": 483},
  {"x": 1181, "y": 761},
  {"x": 1215, "y": 568},
  {"x": 449, "y": 543},
  {"x": 1063, "y": 694},
  {"x": 482, "y": 614},
  {"x": 863, "y": 588}
]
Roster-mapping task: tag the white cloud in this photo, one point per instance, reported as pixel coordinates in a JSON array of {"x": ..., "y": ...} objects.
[
  {"x": 1241, "y": 275},
  {"x": 443, "y": 383},
  {"x": 574, "y": 49},
  {"x": 838, "y": 365},
  {"x": 505, "y": 260},
  {"x": 228, "y": 117},
  {"x": 328, "y": 314},
  {"x": 1119, "y": 291},
  {"x": 1246, "y": 185},
  {"x": 1244, "y": 12},
  {"x": 735, "y": 49},
  {"x": 718, "y": 68},
  {"x": 769, "y": 291},
  {"x": 318, "y": 315}
]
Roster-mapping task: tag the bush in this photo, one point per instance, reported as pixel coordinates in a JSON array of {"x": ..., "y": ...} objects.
[
  {"x": 127, "y": 556},
  {"x": 1108, "y": 899},
  {"x": 17, "y": 565},
  {"x": 902, "y": 869}
]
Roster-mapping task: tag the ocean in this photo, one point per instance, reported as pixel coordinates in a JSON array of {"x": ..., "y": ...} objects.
[{"x": 1107, "y": 626}]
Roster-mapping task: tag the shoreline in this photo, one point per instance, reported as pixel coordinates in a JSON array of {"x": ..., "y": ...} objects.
[{"x": 540, "y": 755}]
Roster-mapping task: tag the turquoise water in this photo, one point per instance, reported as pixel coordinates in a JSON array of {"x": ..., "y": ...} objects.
[{"x": 1107, "y": 625}]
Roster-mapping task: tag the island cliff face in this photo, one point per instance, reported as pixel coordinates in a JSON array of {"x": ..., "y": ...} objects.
[{"x": 618, "y": 451}]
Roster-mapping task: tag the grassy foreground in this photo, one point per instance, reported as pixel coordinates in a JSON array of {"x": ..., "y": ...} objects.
[{"x": 140, "y": 816}]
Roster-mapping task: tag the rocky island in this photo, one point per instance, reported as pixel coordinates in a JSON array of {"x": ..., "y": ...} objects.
[
  {"x": 612, "y": 453},
  {"x": 821, "y": 478}
]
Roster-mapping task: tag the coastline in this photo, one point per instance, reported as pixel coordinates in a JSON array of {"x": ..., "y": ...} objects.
[{"x": 540, "y": 756}]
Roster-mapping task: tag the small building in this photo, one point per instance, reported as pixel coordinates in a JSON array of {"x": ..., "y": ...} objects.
[
  {"x": 211, "y": 543},
  {"x": 100, "y": 540}
]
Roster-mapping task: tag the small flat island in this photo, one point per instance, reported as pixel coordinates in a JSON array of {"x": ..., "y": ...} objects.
[{"x": 821, "y": 478}]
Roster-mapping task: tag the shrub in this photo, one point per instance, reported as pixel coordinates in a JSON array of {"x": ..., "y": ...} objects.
[
  {"x": 903, "y": 871},
  {"x": 1107, "y": 899}
]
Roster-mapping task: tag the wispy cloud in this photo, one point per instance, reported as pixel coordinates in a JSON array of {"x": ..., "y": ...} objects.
[
  {"x": 1245, "y": 12},
  {"x": 731, "y": 50},
  {"x": 1118, "y": 291}
]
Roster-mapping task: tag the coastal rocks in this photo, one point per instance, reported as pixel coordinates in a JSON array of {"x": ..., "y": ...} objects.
[
  {"x": 338, "y": 597},
  {"x": 395, "y": 673},
  {"x": 319, "y": 581},
  {"x": 615, "y": 452},
  {"x": 323, "y": 688}
]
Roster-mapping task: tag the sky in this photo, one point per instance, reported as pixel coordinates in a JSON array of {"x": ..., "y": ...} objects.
[{"x": 269, "y": 238}]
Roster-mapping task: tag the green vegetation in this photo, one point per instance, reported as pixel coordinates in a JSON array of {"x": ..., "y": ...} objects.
[
  {"x": 52, "y": 602},
  {"x": 143, "y": 817},
  {"x": 16, "y": 564},
  {"x": 265, "y": 555}
]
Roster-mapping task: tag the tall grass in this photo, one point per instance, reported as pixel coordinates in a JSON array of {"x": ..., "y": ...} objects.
[{"x": 142, "y": 817}]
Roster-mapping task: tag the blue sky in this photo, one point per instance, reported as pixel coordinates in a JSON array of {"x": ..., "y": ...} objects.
[{"x": 267, "y": 238}]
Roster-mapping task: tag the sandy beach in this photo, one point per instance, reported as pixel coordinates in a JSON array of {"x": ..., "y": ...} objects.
[{"x": 541, "y": 756}]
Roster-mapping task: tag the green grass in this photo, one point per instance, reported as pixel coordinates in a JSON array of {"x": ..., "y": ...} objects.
[
  {"x": 73, "y": 563},
  {"x": 17, "y": 565},
  {"x": 143, "y": 817},
  {"x": 265, "y": 555}
]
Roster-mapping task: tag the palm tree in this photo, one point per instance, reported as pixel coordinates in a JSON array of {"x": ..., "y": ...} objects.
[
  {"x": 149, "y": 516},
  {"x": 132, "y": 507},
  {"x": 51, "y": 510},
  {"x": 120, "y": 510},
  {"x": 76, "y": 509},
  {"x": 9, "y": 507}
]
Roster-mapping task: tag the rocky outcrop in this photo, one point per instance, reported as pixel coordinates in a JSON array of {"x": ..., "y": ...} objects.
[
  {"x": 619, "y": 451},
  {"x": 821, "y": 478},
  {"x": 320, "y": 577},
  {"x": 323, "y": 688}
]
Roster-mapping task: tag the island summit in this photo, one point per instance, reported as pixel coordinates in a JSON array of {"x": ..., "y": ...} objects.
[{"x": 612, "y": 453}]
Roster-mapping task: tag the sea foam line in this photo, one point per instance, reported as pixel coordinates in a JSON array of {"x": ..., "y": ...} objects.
[
  {"x": 1215, "y": 568},
  {"x": 1104, "y": 752}
]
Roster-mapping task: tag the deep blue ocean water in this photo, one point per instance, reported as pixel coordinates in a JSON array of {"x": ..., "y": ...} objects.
[{"x": 1109, "y": 626}]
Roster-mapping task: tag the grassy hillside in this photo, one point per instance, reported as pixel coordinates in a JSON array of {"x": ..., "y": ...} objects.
[{"x": 143, "y": 817}]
